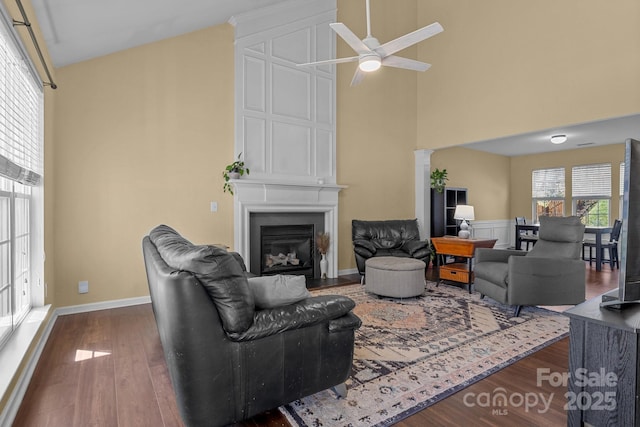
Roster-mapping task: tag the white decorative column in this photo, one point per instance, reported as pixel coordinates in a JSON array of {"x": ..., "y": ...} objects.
[{"x": 423, "y": 191}]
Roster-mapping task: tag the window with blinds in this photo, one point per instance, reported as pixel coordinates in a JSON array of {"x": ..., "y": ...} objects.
[
  {"x": 21, "y": 169},
  {"x": 591, "y": 193},
  {"x": 548, "y": 192}
]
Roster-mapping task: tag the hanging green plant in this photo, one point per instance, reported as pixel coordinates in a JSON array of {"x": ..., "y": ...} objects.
[
  {"x": 233, "y": 171},
  {"x": 439, "y": 179}
]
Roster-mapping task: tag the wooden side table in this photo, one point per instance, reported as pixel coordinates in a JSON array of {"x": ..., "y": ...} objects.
[{"x": 461, "y": 272}]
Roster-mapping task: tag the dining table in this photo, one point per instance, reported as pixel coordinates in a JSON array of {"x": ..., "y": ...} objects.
[{"x": 597, "y": 231}]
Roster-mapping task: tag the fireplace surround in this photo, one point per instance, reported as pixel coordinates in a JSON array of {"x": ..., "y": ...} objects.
[
  {"x": 311, "y": 203},
  {"x": 283, "y": 243}
]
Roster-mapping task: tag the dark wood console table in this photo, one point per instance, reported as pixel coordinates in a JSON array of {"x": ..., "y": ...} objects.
[
  {"x": 461, "y": 272},
  {"x": 604, "y": 380}
]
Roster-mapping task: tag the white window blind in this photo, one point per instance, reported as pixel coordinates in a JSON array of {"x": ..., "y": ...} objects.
[
  {"x": 591, "y": 180},
  {"x": 21, "y": 115},
  {"x": 547, "y": 183}
]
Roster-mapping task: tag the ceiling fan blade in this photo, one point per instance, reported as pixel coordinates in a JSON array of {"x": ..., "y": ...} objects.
[
  {"x": 406, "y": 63},
  {"x": 330, "y": 61},
  {"x": 358, "y": 76},
  {"x": 351, "y": 39},
  {"x": 410, "y": 39}
]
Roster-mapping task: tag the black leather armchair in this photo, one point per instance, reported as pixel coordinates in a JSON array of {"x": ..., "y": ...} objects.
[
  {"x": 228, "y": 360},
  {"x": 397, "y": 237}
]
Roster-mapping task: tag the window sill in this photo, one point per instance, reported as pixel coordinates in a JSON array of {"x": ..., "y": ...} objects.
[{"x": 22, "y": 350}]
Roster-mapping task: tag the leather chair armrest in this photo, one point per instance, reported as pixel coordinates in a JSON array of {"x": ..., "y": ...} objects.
[
  {"x": 496, "y": 255},
  {"x": 366, "y": 244},
  {"x": 413, "y": 247},
  {"x": 347, "y": 322},
  {"x": 364, "y": 248},
  {"x": 302, "y": 314}
]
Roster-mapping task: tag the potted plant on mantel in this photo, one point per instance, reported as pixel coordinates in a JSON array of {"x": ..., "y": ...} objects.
[{"x": 233, "y": 171}]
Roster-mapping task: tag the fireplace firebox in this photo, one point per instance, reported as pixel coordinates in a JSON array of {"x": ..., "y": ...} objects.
[
  {"x": 284, "y": 243},
  {"x": 287, "y": 249}
]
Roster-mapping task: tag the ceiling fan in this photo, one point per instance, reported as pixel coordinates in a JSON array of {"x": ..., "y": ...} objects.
[{"x": 372, "y": 55}]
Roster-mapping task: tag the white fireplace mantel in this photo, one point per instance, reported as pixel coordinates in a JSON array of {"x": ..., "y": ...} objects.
[{"x": 282, "y": 196}]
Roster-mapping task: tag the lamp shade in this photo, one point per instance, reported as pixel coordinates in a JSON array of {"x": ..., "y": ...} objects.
[{"x": 464, "y": 212}]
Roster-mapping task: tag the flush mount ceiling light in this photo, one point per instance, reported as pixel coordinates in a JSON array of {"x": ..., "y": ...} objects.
[{"x": 558, "y": 139}]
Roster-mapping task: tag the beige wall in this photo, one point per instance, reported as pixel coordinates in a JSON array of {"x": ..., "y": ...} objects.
[
  {"x": 504, "y": 67},
  {"x": 486, "y": 177},
  {"x": 142, "y": 137},
  {"x": 500, "y": 187},
  {"x": 376, "y": 126},
  {"x": 522, "y": 166}
]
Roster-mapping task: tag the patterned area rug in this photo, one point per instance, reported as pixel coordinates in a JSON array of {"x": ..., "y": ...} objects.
[{"x": 410, "y": 353}]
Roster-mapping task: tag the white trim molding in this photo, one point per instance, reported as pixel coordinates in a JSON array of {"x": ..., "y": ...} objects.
[
  {"x": 259, "y": 196},
  {"x": 102, "y": 305},
  {"x": 423, "y": 191},
  {"x": 500, "y": 229}
]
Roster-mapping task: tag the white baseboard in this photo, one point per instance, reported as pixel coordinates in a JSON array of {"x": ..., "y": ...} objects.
[
  {"x": 102, "y": 305},
  {"x": 347, "y": 271}
]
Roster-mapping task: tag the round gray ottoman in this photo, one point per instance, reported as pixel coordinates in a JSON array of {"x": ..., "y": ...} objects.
[{"x": 395, "y": 276}]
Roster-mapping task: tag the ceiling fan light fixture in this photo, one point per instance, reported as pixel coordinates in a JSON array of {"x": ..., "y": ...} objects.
[
  {"x": 369, "y": 63},
  {"x": 558, "y": 139}
]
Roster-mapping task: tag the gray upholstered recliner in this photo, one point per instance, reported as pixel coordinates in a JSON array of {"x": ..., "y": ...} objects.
[
  {"x": 552, "y": 273},
  {"x": 229, "y": 359}
]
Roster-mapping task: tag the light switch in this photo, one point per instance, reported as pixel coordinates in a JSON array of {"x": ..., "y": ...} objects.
[{"x": 214, "y": 206}]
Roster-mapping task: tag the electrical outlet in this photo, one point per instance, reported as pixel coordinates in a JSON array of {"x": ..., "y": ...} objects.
[{"x": 83, "y": 287}]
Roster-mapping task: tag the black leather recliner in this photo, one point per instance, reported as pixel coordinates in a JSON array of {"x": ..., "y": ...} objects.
[
  {"x": 397, "y": 237},
  {"x": 228, "y": 360}
]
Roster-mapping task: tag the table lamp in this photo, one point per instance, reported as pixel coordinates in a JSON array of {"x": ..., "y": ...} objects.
[{"x": 464, "y": 212}]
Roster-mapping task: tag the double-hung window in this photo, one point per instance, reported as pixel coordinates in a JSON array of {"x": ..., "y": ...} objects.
[
  {"x": 21, "y": 195},
  {"x": 591, "y": 193},
  {"x": 547, "y": 192}
]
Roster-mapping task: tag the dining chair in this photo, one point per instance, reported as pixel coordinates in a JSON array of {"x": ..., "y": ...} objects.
[
  {"x": 525, "y": 237},
  {"x": 611, "y": 246}
]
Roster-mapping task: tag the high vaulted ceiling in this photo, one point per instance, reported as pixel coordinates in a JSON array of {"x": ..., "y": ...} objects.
[{"x": 77, "y": 30}]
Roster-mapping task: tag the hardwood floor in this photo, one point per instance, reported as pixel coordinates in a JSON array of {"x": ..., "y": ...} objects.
[{"x": 106, "y": 368}]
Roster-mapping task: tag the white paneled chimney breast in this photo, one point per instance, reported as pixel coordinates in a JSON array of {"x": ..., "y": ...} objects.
[{"x": 285, "y": 117}]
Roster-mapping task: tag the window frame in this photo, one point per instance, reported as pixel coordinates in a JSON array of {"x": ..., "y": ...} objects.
[
  {"x": 21, "y": 169},
  {"x": 535, "y": 200},
  {"x": 581, "y": 193}
]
